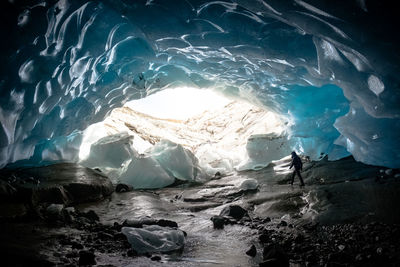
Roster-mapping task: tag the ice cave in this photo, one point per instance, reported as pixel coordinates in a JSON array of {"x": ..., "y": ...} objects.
[{"x": 161, "y": 106}]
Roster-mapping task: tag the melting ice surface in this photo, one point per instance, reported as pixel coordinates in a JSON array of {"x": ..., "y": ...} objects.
[{"x": 331, "y": 72}]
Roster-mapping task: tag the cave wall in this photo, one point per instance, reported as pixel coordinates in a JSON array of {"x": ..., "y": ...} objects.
[{"x": 67, "y": 64}]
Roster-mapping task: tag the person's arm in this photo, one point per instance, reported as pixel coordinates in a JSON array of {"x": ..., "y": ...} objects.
[{"x": 291, "y": 164}]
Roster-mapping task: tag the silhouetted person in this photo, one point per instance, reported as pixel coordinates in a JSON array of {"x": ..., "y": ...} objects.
[{"x": 298, "y": 166}]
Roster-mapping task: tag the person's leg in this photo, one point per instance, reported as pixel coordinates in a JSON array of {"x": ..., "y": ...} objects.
[
  {"x": 301, "y": 178},
  {"x": 294, "y": 173}
]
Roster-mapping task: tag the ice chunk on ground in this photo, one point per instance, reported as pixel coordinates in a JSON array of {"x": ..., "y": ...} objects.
[
  {"x": 154, "y": 238},
  {"x": 146, "y": 172},
  {"x": 175, "y": 160},
  {"x": 262, "y": 149},
  {"x": 111, "y": 151}
]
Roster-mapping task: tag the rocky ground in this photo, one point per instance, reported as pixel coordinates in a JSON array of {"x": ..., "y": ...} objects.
[{"x": 226, "y": 222}]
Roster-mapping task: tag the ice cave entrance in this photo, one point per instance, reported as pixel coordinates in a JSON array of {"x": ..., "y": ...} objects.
[{"x": 188, "y": 133}]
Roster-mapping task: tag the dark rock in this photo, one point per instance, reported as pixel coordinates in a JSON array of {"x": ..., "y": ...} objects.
[
  {"x": 76, "y": 245},
  {"x": 54, "y": 212},
  {"x": 104, "y": 236},
  {"x": 273, "y": 263},
  {"x": 252, "y": 251},
  {"x": 264, "y": 238},
  {"x": 138, "y": 223},
  {"x": 7, "y": 191},
  {"x": 155, "y": 258},
  {"x": 267, "y": 220},
  {"x": 298, "y": 238},
  {"x": 131, "y": 253},
  {"x": 335, "y": 264},
  {"x": 234, "y": 211},
  {"x": 283, "y": 223},
  {"x": 166, "y": 223},
  {"x": 389, "y": 172},
  {"x": 119, "y": 236},
  {"x": 310, "y": 226},
  {"x": 117, "y": 226},
  {"x": 275, "y": 251},
  {"x": 91, "y": 215},
  {"x": 312, "y": 258},
  {"x": 72, "y": 254},
  {"x": 120, "y": 188},
  {"x": 339, "y": 257},
  {"x": 218, "y": 222},
  {"x": 68, "y": 218},
  {"x": 62, "y": 184},
  {"x": 11, "y": 210},
  {"x": 86, "y": 257}
]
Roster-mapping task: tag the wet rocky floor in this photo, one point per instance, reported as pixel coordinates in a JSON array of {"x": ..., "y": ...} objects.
[{"x": 347, "y": 215}]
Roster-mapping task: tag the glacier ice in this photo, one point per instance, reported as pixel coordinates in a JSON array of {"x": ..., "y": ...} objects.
[
  {"x": 154, "y": 238},
  {"x": 145, "y": 172},
  {"x": 175, "y": 160},
  {"x": 262, "y": 149},
  {"x": 159, "y": 166},
  {"x": 67, "y": 64},
  {"x": 111, "y": 151}
]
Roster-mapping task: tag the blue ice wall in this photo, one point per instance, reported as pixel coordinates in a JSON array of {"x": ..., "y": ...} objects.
[
  {"x": 313, "y": 112},
  {"x": 66, "y": 64}
]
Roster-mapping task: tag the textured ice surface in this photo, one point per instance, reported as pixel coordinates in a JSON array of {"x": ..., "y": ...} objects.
[
  {"x": 262, "y": 149},
  {"x": 154, "y": 238},
  {"x": 111, "y": 151},
  {"x": 216, "y": 137},
  {"x": 145, "y": 172},
  {"x": 66, "y": 64},
  {"x": 175, "y": 160},
  {"x": 158, "y": 167}
]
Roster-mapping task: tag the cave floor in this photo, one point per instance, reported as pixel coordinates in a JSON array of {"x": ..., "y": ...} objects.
[{"x": 341, "y": 199}]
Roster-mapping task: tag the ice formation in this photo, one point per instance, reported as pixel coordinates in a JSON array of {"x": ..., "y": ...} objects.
[
  {"x": 157, "y": 167},
  {"x": 201, "y": 145},
  {"x": 154, "y": 238},
  {"x": 331, "y": 71}
]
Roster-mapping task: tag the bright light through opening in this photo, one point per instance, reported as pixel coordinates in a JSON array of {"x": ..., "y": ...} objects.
[
  {"x": 180, "y": 103},
  {"x": 223, "y": 134}
]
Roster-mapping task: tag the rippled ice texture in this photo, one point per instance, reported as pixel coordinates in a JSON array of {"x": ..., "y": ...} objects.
[{"x": 66, "y": 64}]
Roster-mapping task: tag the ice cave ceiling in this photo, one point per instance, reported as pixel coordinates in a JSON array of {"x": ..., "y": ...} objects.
[{"x": 329, "y": 67}]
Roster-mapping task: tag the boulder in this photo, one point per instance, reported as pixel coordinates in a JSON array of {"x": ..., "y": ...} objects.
[
  {"x": 54, "y": 212},
  {"x": 234, "y": 211},
  {"x": 218, "y": 222},
  {"x": 7, "y": 191},
  {"x": 140, "y": 222},
  {"x": 389, "y": 172},
  {"x": 252, "y": 252},
  {"x": 63, "y": 183},
  {"x": 91, "y": 215},
  {"x": 275, "y": 256},
  {"x": 86, "y": 257},
  {"x": 120, "y": 188}
]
